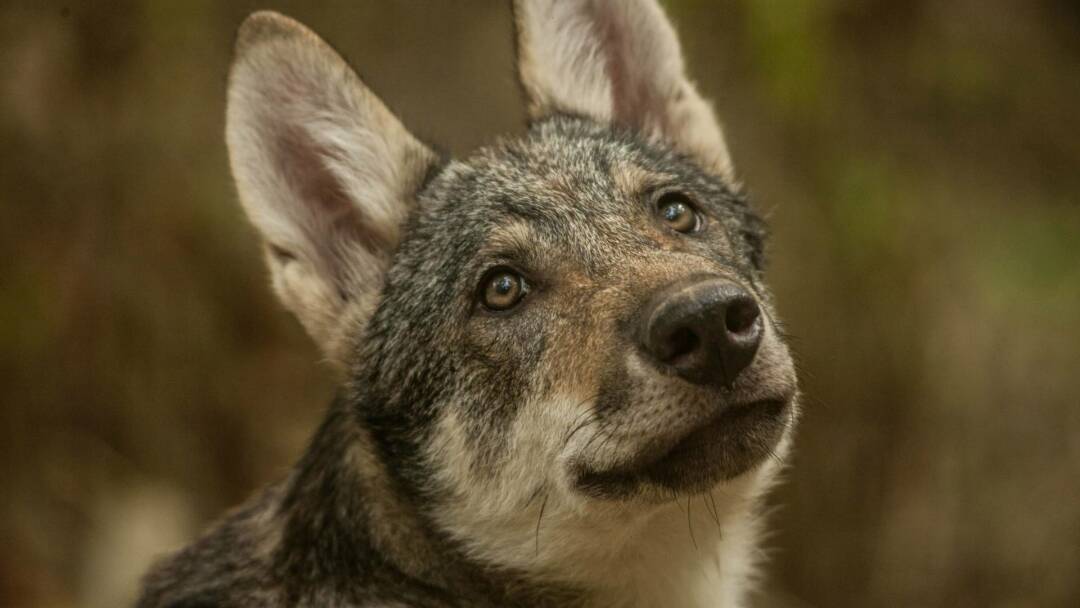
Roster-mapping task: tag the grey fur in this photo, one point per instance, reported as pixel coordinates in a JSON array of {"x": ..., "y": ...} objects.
[{"x": 430, "y": 419}]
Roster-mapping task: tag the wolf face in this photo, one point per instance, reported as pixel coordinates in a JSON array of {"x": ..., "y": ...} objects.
[
  {"x": 557, "y": 346},
  {"x": 576, "y": 323}
]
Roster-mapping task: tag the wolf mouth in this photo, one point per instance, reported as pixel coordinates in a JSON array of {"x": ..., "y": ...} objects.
[{"x": 720, "y": 449}]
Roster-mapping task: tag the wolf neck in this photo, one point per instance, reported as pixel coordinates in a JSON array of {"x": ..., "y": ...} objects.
[
  {"x": 687, "y": 553},
  {"x": 683, "y": 559}
]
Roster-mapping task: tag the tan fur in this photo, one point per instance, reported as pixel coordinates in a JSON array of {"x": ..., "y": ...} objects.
[
  {"x": 394, "y": 523},
  {"x": 633, "y": 180}
]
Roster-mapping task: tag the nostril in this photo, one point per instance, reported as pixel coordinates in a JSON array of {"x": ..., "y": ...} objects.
[
  {"x": 682, "y": 341},
  {"x": 741, "y": 315},
  {"x": 705, "y": 331}
]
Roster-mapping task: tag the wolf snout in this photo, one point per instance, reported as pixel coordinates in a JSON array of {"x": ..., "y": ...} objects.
[{"x": 705, "y": 330}]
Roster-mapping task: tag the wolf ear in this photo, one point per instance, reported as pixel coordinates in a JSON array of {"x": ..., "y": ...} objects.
[
  {"x": 324, "y": 171},
  {"x": 616, "y": 61}
]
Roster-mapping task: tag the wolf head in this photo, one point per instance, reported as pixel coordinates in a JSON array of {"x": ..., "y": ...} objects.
[{"x": 555, "y": 340}]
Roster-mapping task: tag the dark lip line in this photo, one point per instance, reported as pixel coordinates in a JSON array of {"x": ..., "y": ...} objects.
[
  {"x": 729, "y": 415},
  {"x": 659, "y": 455}
]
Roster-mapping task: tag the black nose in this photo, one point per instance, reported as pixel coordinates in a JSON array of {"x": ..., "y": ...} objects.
[{"x": 705, "y": 330}]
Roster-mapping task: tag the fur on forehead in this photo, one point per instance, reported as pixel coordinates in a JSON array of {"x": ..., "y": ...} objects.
[
  {"x": 565, "y": 183},
  {"x": 573, "y": 157},
  {"x": 562, "y": 176}
]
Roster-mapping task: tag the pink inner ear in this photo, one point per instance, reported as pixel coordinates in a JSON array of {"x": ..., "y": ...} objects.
[
  {"x": 302, "y": 162},
  {"x": 323, "y": 199},
  {"x": 325, "y": 210},
  {"x": 637, "y": 100},
  {"x": 630, "y": 96},
  {"x": 330, "y": 220}
]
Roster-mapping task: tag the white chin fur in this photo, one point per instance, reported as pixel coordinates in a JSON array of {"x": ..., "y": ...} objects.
[{"x": 626, "y": 553}]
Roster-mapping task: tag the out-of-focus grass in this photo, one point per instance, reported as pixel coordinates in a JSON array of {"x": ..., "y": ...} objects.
[
  {"x": 788, "y": 47},
  {"x": 918, "y": 161}
]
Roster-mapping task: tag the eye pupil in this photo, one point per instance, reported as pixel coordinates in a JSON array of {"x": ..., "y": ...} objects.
[
  {"x": 673, "y": 211},
  {"x": 679, "y": 214},
  {"x": 503, "y": 284}
]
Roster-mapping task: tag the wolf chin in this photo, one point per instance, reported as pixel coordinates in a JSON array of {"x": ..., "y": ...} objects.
[{"x": 564, "y": 381}]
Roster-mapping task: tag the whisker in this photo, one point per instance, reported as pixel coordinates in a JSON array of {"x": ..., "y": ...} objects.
[
  {"x": 690, "y": 523},
  {"x": 584, "y": 414},
  {"x": 600, "y": 448},
  {"x": 532, "y": 497},
  {"x": 710, "y": 505},
  {"x": 577, "y": 428},
  {"x": 776, "y": 458},
  {"x": 602, "y": 431},
  {"x": 540, "y": 517}
]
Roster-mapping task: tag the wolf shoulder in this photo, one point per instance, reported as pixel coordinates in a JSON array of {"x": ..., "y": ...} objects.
[
  {"x": 242, "y": 562},
  {"x": 230, "y": 565}
]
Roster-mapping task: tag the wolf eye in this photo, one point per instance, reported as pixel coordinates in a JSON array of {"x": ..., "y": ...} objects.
[
  {"x": 502, "y": 288},
  {"x": 678, "y": 213}
]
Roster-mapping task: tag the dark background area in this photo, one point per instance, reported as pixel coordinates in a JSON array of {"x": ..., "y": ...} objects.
[{"x": 919, "y": 161}]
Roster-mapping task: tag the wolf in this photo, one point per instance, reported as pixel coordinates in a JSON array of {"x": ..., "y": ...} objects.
[{"x": 564, "y": 379}]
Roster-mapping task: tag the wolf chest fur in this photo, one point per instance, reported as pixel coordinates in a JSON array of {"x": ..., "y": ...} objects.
[{"x": 564, "y": 381}]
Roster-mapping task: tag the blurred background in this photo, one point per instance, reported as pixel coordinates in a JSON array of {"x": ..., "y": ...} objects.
[{"x": 919, "y": 161}]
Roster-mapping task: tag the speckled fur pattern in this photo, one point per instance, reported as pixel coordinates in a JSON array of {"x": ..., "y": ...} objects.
[{"x": 456, "y": 466}]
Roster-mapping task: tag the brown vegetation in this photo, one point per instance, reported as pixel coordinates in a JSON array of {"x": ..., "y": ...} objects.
[{"x": 919, "y": 162}]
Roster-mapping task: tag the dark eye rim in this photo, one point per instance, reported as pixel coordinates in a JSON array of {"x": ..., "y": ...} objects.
[
  {"x": 485, "y": 279},
  {"x": 668, "y": 196}
]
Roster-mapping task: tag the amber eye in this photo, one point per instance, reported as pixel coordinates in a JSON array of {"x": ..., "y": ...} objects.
[
  {"x": 678, "y": 213},
  {"x": 502, "y": 288}
]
